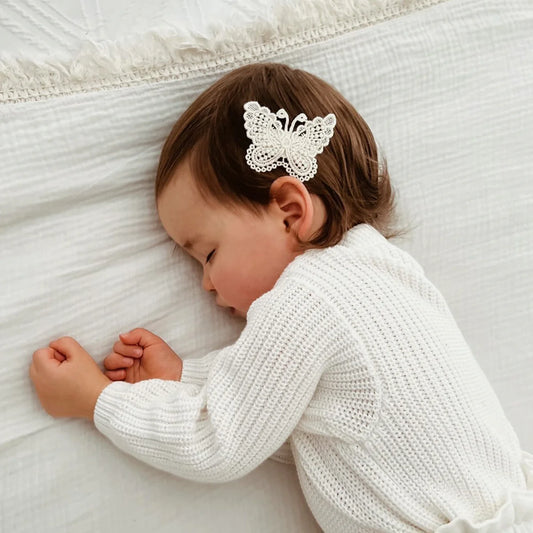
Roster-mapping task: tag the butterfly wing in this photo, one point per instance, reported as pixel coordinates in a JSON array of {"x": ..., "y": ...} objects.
[
  {"x": 307, "y": 141},
  {"x": 313, "y": 136},
  {"x": 265, "y": 130}
]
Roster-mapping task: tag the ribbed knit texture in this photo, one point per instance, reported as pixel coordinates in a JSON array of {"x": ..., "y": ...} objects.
[{"x": 355, "y": 359}]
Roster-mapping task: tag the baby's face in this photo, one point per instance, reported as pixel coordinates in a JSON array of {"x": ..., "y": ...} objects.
[{"x": 242, "y": 255}]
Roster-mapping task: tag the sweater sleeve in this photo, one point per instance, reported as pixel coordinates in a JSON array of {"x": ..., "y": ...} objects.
[
  {"x": 284, "y": 454},
  {"x": 253, "y": 397},
  {"x": 196, "y": 370}
]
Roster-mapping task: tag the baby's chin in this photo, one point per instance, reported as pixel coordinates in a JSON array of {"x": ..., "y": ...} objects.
[{"x": 237, "y": 313}]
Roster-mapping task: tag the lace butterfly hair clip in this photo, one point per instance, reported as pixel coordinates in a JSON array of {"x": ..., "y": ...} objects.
[{"x": 276, "y": 144}]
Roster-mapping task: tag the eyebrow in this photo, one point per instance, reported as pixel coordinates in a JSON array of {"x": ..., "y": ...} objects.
[{"x": 189, "y": 244}]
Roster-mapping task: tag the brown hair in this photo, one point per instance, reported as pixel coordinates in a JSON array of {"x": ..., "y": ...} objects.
[{"x": 349, "y": 181}]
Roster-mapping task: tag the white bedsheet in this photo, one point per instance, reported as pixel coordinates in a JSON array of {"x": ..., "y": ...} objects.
[{"x": 448, "y": 91}]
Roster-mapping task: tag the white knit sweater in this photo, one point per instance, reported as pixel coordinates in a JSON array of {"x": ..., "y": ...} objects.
[{"x": 355, "y": 359}]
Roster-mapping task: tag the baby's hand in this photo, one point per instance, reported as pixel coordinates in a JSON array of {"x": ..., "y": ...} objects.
[
  {"x": 140, "y": 355},
  {"x": 67, "y": 379}
]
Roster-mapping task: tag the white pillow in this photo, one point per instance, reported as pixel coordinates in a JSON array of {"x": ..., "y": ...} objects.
[{"x": 447, "y": 91}]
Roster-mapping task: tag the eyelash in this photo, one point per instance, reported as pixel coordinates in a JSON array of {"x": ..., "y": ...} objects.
[{"x": 176, "y": 248}]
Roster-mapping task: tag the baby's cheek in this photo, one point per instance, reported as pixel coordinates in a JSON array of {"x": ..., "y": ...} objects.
[{"x": 239, "y": 288}]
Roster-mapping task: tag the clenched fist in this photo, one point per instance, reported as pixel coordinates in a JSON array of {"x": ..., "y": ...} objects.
[
  {"x": 140, "y": 355},
  {"x": 67, "y": 379}
]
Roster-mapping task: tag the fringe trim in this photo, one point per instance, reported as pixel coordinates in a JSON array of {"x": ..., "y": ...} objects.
[{"x": 173, "y": 53}]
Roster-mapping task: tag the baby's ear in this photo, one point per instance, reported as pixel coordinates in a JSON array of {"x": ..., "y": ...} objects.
[{"x": 294, "y": 206}]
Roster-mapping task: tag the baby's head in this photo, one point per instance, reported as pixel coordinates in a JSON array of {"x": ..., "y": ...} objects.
[{"x": 243, "y": 225}]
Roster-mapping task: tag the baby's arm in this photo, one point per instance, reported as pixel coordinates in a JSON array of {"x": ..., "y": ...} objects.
[
  {"x": 255, "y": 393},
  {"x": 126, "y": 363}
]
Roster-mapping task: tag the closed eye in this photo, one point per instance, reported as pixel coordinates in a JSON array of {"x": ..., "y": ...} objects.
[{"x": 209, "y": 256}]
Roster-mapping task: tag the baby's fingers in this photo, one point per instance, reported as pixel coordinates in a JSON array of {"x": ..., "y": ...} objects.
[
  {"x": 114, "y": 361},
  {"x": 128, "y": 350},
  {"x": 116, "y": 375}
]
